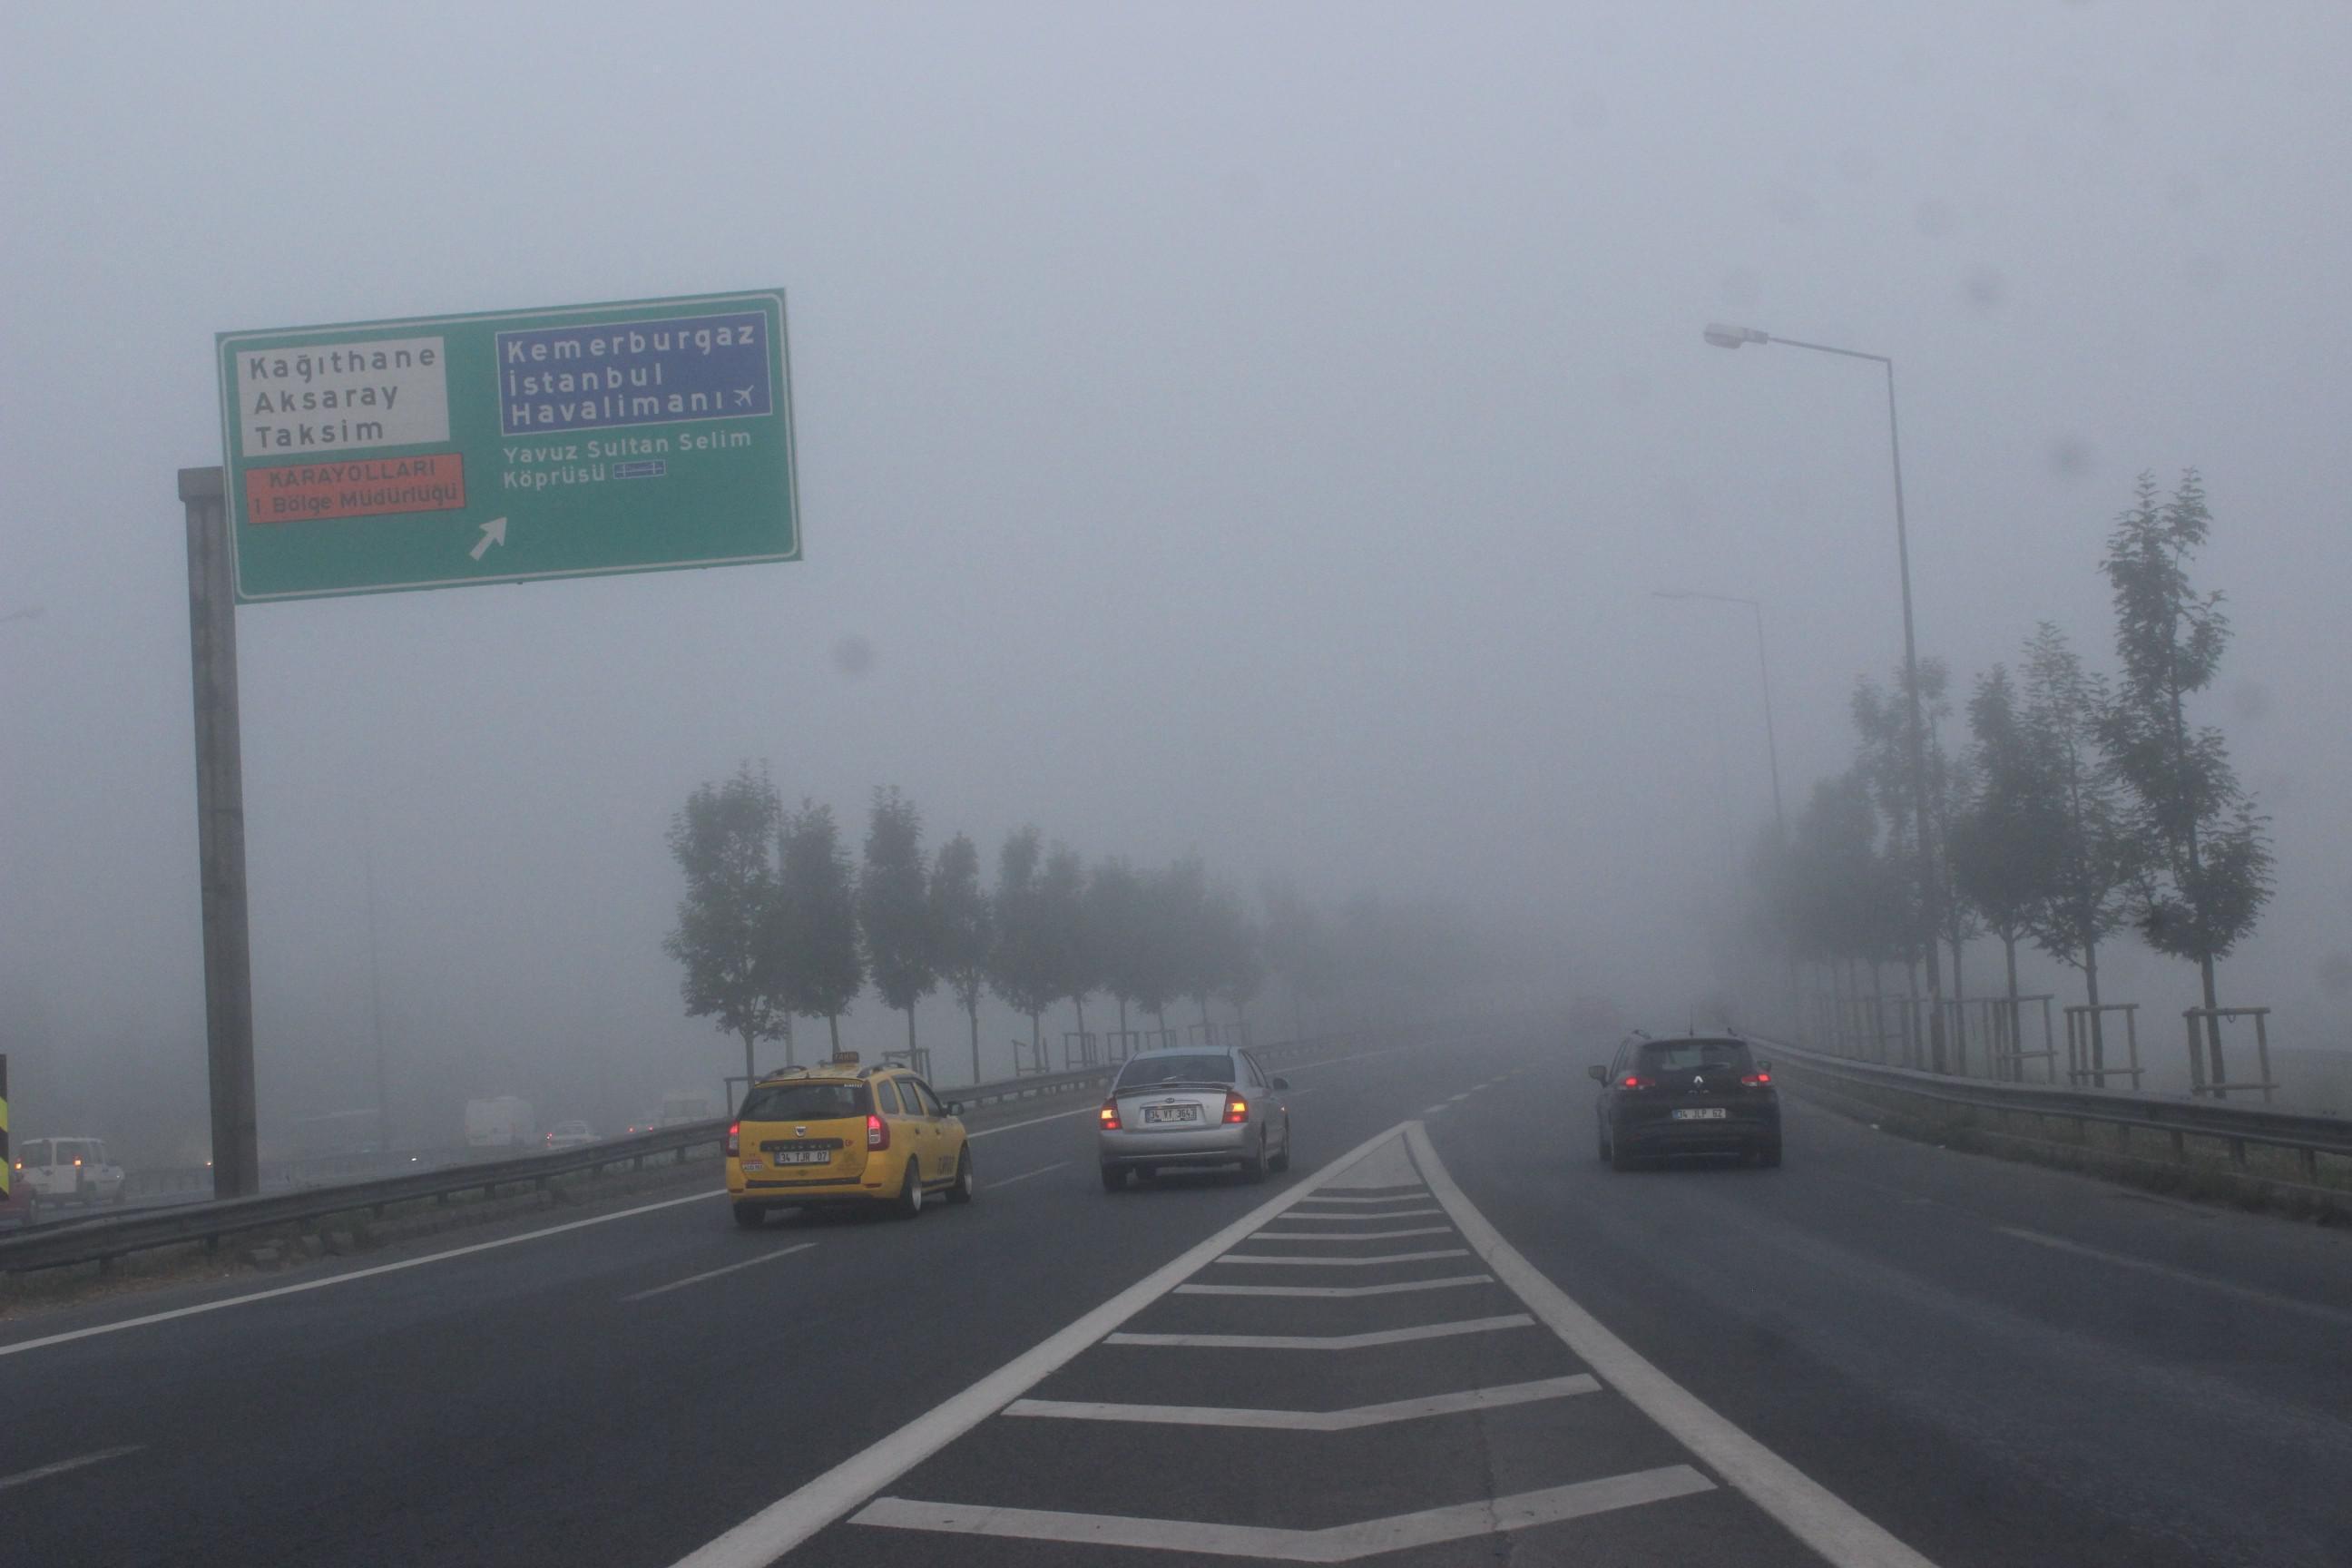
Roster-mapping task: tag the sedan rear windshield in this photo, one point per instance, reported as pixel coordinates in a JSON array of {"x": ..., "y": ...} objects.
[
  {"x": 1684, "y": 1056},
  {"x": 806, "y": 1102},
  {"x": 1208, "y": 1067}
]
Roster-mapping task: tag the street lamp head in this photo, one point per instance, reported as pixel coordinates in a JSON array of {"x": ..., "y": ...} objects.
[{"x": 1724, "y": 337}]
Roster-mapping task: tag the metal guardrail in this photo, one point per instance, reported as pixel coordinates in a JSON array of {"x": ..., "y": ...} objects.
[
  {"x": 96, "y": 1241},
  {"x": 2305, "y": 1135}
]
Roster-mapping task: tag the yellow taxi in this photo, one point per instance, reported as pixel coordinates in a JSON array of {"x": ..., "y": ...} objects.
[{"x": 839, "y": 1132}]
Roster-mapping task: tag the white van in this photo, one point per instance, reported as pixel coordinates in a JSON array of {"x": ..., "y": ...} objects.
[{"x": 69, "y": 1170}]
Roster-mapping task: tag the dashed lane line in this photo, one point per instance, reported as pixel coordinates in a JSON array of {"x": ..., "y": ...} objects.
[
  {"x": 1040, "y": 1171},
  {"x": 1310, "y": 1420},
  {"x": 1294, "y": 1260},
  {"x": 1338, "y": 1543},
  {"x": 1351, "y": 1234},
  {"x": 1327, "y": 1341},
  {"x": 715, "y": 1273},
  {"x": 2184, "y": 1276},
  {"x": 1452, "y": 1282},
  {"x": 1433, "y": 1109},
  {"x": 80, "y": 1461},
  {"x": 1816, "y": 1516},
  {"x": 784, "y": 1524}
]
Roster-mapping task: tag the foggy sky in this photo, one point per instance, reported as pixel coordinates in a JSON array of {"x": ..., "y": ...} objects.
[{"x": 1245, "y": 429}]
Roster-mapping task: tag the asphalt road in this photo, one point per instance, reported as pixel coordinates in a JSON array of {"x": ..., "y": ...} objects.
[{"x": 1881, "y": 1350}]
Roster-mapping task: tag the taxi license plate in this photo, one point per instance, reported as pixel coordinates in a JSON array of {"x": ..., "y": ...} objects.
[
  {"x": 1152, "y": 1113},
  {"x": 1709, "y": 1113},
  {"x": 802, "y": 1157}
]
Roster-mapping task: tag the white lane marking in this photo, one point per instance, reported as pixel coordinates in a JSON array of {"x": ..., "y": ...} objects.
[
  {"x": 784, "y": 1524},
  {"x": 334, "y": 1280},
  {"x": 1040, "y": 1171},
  {"x": 1035, "y": 1121},
  {"x": 1287, "y": 1257},
  {"x": 1362, "y": 1218},
  {"x": 1420, "y": 1196},
  {"x": 2186, "y": 1276},
  {"x": 715, "y": 1273},
  {"x": 1351, "y": 1234},
  {"x": 1813, "y": 1513},
  {"x": 1339, "y": 1543},
  {"x": 1433, "y": 1109},
  {"x": 1463, "y": 1095},
  {"x": 1327, "y": 1342},
  {"x": 39, "y": 1472},
  {"x": 1451, "y": 1282},
  {"x": 1359, "y": 1056},
  {"x": 1310, "y": 1420}
]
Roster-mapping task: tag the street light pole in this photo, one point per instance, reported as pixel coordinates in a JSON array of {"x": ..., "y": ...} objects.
[
  {"x": 1764, "y": 669},
  {"x": 1930, "y": 903}
]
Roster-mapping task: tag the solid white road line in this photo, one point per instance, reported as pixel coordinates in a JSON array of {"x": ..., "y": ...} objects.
[
  {"x": 1310, "y": 1420},
  {"x": 1339, "y": 1543},
  {"x": 1816, "y": 1516},
  {"x": 334, "y": 1279},
  {"x": 1433, "y": 1109},
  {"x": 1327, "y": 1341},
  {"x": 1336, "y": 1218},
  {"x": 1463, "y": 1095},
  {"x": 40, "y": 1472},
  {"x": 1042, "y": 1170},
  {"x": 1351, "y": 1235},
  {"x": 2186, "y": 1276},
  {"x": 1360, "y": 1057},
  {"x": 1294, "y": 1260},
  {"x": 775, "y": 1529},
  {"x": 1035, "y": 1121},
  {"x": 715, "y": 1273},
  {"x": 1451, "y": 1283}
]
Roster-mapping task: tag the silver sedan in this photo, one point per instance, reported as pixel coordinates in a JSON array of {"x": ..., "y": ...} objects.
[{"x": 1187, "y": 1109}]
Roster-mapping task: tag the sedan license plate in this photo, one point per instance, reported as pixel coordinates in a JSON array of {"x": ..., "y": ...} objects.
[
  {"x": 1706, "y": 1113},
  {"x": 1152, "y": 1113},
  {"x": 802, "y": 1157}
]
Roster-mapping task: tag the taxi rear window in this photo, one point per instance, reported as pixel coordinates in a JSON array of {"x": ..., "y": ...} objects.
[{"x": 806, "y": 1102}]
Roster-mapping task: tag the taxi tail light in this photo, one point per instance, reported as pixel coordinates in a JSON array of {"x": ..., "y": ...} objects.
[
  {"x": 1109, "y": 1114},
  {"x": 1236, "y": 1109},
  {"x": 1756, "y": 1080},
  {"x": 877, "y": 1132},
  {"x": 1632, "y": 1081},
  {"x": 734, "y": 1139}
]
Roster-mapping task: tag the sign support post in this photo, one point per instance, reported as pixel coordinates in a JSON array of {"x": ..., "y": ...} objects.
[{"x": 220, "y": 835}]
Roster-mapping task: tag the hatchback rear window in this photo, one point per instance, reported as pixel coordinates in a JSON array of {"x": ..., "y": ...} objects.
[
  {"x": 1684, "y": 1055},
  {"x": 806, "y": 1102},
  {"x": 1217, "y": 1068}
]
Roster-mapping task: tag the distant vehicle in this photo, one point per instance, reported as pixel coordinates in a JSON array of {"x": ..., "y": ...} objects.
[
  {"x": 1689, "y": 1095},
  {"x": 69, "y": 1170},
  {"x": 501, "y": 1123},
  {"x": 839, "y": 1132},
  {"x": 570, "y": 1135},
  {"x": 1191, "y": 1108},
  {"x": 679, "y": 1110}
]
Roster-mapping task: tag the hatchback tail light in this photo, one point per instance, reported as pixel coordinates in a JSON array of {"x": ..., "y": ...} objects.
[
  {"x": 1236, "y": 1109},
  {"x": 1756, "y": 1079},
  {"x": 877, "y": 1132},
  {"x": 734, "y": 1139},
  {"x": 1110, "y": 1114},
  {"x": 1631, "y": 1082}
]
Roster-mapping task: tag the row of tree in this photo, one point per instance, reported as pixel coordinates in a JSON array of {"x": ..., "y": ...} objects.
[
  {"x": 779, "y": 922},
  {"x": 2080, "y": 805}
]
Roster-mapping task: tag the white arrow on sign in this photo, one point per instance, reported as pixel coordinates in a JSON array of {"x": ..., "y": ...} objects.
[{"x": 493, "y": 533}]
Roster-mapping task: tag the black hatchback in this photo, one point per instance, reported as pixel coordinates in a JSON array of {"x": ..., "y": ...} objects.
[{"x": 1693, "y": 1095}]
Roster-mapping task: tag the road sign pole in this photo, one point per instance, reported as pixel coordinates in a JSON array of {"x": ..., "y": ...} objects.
[{"x": 220, "y": 835}]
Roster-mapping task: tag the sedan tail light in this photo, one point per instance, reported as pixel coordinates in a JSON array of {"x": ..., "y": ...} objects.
[
  {"x": 877, "y": 1132},
  {"x": 1110, "y": 1116},
  {"x": 1756, "y": 1080},
  {"x": 1236, "y": 1109},
  {"x": 734, "y": 1139}
]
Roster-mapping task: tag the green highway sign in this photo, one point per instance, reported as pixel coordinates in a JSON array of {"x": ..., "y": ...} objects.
[{"x": 501, "y": 448}]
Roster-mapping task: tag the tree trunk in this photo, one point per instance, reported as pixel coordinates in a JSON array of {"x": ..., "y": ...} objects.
[
  {"x": 2212, "y": 1023},
  {"x": 832, "y": 1024},
  {"x": 2016, "y": 1032},
  {"x": 1037, "y": 1040},
  {"x": 1959, "y": 1014},
  {"x": 2098, "y": 1019},
  {"x": 971, "y": 1011},
  {"x": 751, "y": 1076},
  {"x": 910, "y": 1034},
  {"x": 789, "y": 1060},
  {"x": 1080, "y": 1003}
]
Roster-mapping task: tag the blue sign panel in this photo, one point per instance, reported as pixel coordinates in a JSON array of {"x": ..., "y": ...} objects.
[{"x": 606, "y": 374}]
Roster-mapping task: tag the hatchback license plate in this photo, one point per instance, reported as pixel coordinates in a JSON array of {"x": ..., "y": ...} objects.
[
  {"x": 802, "y": 1157},
  {"x": 1709, "y": 1113},
  {"x": 1170, "y": 1113}
]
